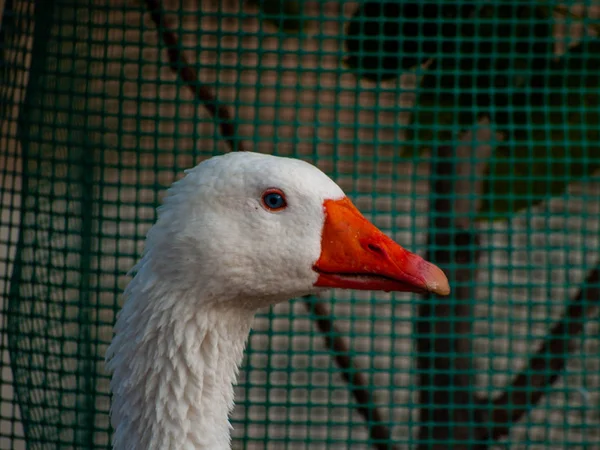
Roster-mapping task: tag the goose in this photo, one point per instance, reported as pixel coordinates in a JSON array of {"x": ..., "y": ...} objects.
[{"x": 239, "y": 232}]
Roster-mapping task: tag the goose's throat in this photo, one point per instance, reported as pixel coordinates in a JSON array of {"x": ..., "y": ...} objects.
[{"x": 173, "y": 378}]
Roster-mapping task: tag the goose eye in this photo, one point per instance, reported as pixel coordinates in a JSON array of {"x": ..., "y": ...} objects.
[{"x": 274, "y": 200}]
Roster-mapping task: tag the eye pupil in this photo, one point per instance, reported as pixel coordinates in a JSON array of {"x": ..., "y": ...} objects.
[{"x": 274, "y": 200}]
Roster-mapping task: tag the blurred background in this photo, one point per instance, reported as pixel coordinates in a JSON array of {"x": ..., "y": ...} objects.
[{"x": 468, "y": 131}]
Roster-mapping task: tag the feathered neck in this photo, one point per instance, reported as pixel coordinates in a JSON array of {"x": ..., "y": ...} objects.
[{"x": 174, "y": 360}]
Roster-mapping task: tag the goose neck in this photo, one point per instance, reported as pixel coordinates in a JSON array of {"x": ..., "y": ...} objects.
[{"x": 173, "y": 374}]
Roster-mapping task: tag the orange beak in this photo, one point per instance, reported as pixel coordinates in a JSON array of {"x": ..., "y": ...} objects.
[{"x": 357, "y": 255}]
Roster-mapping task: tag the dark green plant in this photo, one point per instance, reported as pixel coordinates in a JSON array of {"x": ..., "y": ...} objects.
[
  {"x": 487, "y": 64},
  {"x": 285, "y": 15}
]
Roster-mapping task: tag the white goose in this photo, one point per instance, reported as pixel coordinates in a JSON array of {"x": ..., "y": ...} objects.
[{"x": 239, "y": 232}]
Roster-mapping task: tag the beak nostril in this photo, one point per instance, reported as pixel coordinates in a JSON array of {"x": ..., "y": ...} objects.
[{"x": 376, "y": 249}]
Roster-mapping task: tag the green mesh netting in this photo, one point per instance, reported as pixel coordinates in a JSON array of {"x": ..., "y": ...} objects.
[{"x": 468, "y": 131}]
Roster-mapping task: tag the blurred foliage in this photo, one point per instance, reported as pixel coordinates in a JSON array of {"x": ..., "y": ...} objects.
[
  {"x": 285, "y": 15},
  {"x": 383, "y": 39},
  {"x": 556, "y": 142},
  {"x": 496, "y": 60},
  {"x": 498, "y": 56}
]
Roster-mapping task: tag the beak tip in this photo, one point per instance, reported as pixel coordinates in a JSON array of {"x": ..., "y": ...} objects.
[
  {"x": 437, "y": 282},
  {"x": 439, "y": 289}
]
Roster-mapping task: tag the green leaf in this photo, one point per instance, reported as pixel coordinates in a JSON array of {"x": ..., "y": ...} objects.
[
  {"x": 554, "y": 132},
  {"x": 558, "y": 143},
  {"x": 285, "y": 15},
  {"x": 522, "y": 177},
  {"x": 430, "y": 122},
  {"x": 510, "y": 45},
  {"x": 384, "y": 38},
  {"x": 549, "y": 107},
  {"x": 497, "y": 56}
]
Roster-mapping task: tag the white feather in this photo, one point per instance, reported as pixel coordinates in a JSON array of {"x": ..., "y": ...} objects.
[{"x": 214, "y": 256}]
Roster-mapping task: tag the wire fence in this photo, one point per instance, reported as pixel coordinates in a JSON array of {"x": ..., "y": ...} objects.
[{"x": 467, "y": 131}]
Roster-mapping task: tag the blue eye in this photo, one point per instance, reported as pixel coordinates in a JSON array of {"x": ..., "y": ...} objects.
[{"x": 274, "y": 200}]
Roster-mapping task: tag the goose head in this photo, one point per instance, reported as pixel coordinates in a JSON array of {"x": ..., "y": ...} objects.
[
  {"x": 238, "y": 232},
  {"x": 249, "y": 230}
]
